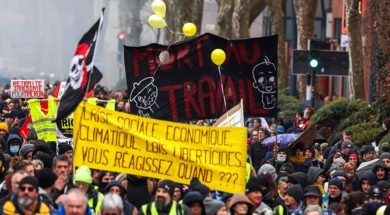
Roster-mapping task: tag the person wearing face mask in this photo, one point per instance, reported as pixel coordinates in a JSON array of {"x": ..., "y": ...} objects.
[
  {"x": 13, "y": 144},
  {"x": 281, "y": 158}
]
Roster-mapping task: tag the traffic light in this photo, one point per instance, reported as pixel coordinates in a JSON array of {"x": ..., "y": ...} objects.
[
  {"x": 314, "y": 53},
  {"x": 121, "y": 36},
  {"x": 121, "y": 42}
]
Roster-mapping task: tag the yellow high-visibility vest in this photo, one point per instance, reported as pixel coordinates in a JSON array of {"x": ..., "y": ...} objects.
[
  {"x": 43, "y": 123},
  {"x": 109, "y": 106},
  {"x": 175, "y": 210}
]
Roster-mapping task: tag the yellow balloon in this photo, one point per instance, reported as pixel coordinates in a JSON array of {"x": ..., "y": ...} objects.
[
  {"x": 189, "y": 29},
  {"x": 159, "y": 8},
  {"x": 156, "y": 21},
  {"x": 218, "y": 57}
]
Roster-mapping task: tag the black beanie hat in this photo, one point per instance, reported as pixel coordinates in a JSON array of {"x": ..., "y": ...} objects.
[
  {"x": 253, "y": 185},
  {"x": 46, "y": 159},
  {"x": 64, "y": 147},
  {"x": 296, "y": 192},
  {"x": 337, "y": 182},
  {"x": 167, "y": 185},
  {"x": 226, "y": 196},
  {"x": 42, "y": 146},
  {"x": 192, "y": 197},
  {"x": 31, "y": 181},
  {"x": 118, "y": 184},
  {"x": 196, "y": 185},
  {"x": 46, "y": 177}
]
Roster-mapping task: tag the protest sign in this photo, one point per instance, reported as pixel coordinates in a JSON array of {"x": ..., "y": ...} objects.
[
  {"x": 120, "y": 142},
  {"x": 27, "y": 89},
  {"x": 233, "y": 118},
  {"x": 188, "y": 86},
  {"x": 66, "y": 126}
]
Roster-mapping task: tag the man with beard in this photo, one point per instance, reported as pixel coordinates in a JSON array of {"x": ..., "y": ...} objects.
[
  {"x": 164, "y": 203},
  {"x": 312, "y": 197},
  {"x": 335, "y": 192},
  {"x": 27, "y": 199},
  {"x": 381, "y": 171},
  {"x": 62, "y": 169}
]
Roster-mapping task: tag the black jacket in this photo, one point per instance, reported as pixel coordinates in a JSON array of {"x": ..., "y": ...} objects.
[{"x": 257, "y": 153}]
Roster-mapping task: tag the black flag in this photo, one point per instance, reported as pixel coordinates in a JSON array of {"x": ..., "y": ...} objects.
[{"x": 83, "y": 75}]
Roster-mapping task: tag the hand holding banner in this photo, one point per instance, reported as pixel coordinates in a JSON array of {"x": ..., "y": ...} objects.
[{"x": 119, "y": 142}]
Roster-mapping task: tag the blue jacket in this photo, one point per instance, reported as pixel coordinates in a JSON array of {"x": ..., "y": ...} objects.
[{"x": 61, "y": 210}]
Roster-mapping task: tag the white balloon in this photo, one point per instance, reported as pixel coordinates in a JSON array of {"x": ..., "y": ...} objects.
[{"x": 164, "y": 57}]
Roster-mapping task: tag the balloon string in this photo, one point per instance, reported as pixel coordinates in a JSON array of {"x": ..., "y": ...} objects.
[
  {"x": 183, "y": 36},
  {"x": 173, "y": 32},
  {"x": 223, "y": 91},
  {"x": 169, "y": 45}
]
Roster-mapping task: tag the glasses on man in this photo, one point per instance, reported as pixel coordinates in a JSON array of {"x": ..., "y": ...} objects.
[{"x": 24, "y": 188}]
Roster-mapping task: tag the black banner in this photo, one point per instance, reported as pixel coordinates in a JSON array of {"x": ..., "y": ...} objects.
[{"x": 188, "y": 85}]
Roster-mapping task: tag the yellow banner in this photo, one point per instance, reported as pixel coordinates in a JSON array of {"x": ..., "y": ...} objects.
[{"x": 119, "y": 142}]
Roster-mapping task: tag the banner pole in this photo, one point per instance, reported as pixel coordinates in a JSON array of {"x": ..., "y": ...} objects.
[
  {"x": 75, "y": 138},
  {"x": 94, "y": 51}
]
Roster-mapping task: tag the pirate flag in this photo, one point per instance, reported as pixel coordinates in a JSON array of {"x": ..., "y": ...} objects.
[{"x": 83, "y": 76}]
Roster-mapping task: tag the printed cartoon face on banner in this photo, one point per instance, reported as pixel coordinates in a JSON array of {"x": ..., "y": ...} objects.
[
  {"x": 187, "y": 85},
  {"x": 144, "y": 95},
  {"x": 78, "y": 69},
  {"x": 264, "y": 80}
]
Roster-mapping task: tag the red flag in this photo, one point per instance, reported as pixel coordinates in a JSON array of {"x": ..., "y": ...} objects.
[
  {"x": 26, "y": 127},
  {"x": 83, "y": 76}
]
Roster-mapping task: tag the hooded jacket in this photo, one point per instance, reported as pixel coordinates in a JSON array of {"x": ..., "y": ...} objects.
[
  {"x": 298, "y": 178},
  {"x": 237, "y": 198},
  {"x": 313, "y": 174},
  {"x": 13, "y": 137},
  {"x": 370, "y": 176},
  {"x": 194, "y": 197}
]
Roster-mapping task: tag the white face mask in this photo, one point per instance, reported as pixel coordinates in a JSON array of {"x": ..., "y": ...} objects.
[
  {"x": 14, "y": 149},
  {"x": 281, "y": 159}
]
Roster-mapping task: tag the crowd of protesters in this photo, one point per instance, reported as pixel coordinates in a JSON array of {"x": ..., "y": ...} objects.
[{"x": 331, "y": 176}]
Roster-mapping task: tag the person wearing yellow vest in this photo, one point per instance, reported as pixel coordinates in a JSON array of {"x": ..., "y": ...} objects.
[
  {"x": 164, "y": 203},
  {"x": 83, "y": 179},
  {"x": 44, "y": 123}
]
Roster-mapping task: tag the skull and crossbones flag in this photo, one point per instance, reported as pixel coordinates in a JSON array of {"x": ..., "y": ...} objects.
[{"x": 83, "y": 75}]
